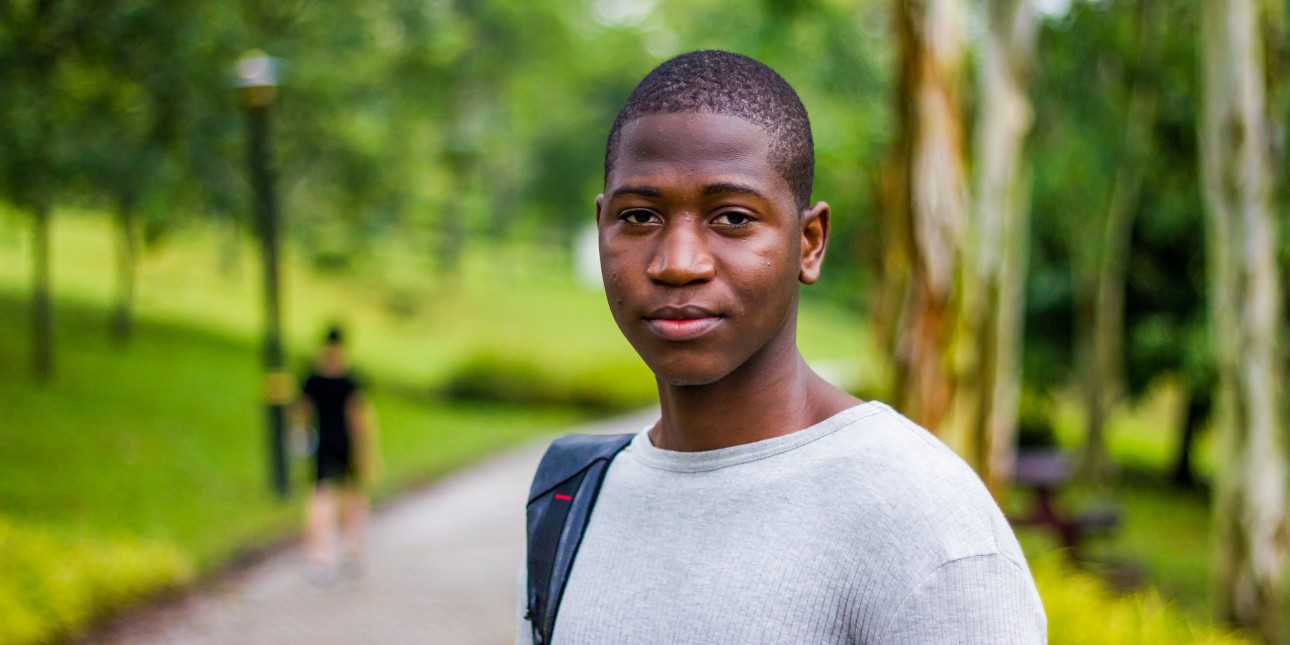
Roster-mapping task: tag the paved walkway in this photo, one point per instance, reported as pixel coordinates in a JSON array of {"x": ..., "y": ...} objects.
[{"x": 442, "y": 568}]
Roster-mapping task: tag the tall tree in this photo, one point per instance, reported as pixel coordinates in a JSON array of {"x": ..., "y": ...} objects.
[
  {"x": 129, "y": 123},
  {"x": 992, "y": 303},
  {"x": 926, "y": 205},
  {"x": 38, "y": 44},
  {"x": 1100, "y": 277},
  {"x": 1240, "y": 143}
]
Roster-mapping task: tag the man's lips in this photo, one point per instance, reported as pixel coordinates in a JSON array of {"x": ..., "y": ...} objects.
[{"x": 682, "y": 323}]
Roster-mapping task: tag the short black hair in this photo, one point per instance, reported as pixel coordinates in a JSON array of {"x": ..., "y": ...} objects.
[
  {"x": 720, "y": 82},
  {"x": 335, "y": 335}
]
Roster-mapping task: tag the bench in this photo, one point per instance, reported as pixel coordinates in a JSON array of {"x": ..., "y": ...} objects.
[{"x": 1047, "y": 472}]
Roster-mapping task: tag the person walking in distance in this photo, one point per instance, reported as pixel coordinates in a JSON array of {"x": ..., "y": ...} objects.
[{"x": 346, "y": 461}]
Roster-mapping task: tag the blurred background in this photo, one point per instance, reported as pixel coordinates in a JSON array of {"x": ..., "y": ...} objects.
[{"x": 1056, "y": 243}]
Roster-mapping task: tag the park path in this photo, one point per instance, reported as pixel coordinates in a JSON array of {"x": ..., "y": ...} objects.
[{"x": 442, "y": 568}]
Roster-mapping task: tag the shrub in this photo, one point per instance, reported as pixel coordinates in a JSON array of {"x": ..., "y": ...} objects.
[
  {"x": 1082, "y": 609},
  {"x": 53, "y": 583},
  {"x": 605, "y": 386}
]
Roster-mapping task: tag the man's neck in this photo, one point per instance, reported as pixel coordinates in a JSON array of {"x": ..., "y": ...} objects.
[{"x": 767, "y": 397}]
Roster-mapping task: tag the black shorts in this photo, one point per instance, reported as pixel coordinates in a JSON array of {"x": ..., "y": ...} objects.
[{"x": 333, "y": 466}]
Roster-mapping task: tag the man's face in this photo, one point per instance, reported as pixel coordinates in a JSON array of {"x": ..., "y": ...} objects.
[{"x": 702, "y": 246}]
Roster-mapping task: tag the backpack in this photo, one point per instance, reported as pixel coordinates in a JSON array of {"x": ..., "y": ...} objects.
[{"x": 564, "y": 491}]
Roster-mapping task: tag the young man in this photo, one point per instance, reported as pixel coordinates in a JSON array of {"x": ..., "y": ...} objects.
[{"x": 765, "y": 505}]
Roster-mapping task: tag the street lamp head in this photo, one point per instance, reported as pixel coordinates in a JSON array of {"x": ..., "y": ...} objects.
[{"x": 256, "y": 79}]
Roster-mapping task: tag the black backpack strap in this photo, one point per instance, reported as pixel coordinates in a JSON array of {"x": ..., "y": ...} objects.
[{"x": 560, "y": 502}]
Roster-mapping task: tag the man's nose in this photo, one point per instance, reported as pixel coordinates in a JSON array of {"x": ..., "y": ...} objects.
[{"x": 681, "y": 256}]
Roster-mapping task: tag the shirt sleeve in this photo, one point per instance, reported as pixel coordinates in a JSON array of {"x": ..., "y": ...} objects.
[
  {"x": 308, "y": 388},
  {"x": 980, "y": 599}
]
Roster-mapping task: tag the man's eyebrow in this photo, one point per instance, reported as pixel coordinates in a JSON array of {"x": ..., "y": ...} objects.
[
  {"x": 643, "y": 191},
  {"x": 727, "y": 187}
]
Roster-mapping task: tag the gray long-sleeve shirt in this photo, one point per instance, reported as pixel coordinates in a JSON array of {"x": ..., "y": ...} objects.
[{"x": 863, "y": 528}]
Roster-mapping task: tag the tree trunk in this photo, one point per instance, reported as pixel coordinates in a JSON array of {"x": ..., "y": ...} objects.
[
  {"x": 123, "y": 315},
  {"x": 992, "y": 303},
  {"x": 462, "y": 155},
  {"x": 452, "y": 229},
  {"x": 1103, "y": 379},
  {"x": 1108, "y": 312},
  {"x": 893, "y": 266},
  {"x": 932, "y": 200},
  {"x": 1102, "y": 358},
  {"x": 1095, "y": 463},
  {"x": 42, "y": 302},
  {"x": 1239, "y": 143},
  {"x": 1198, "y": 410}
]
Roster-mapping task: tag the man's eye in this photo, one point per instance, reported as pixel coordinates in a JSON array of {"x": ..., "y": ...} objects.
[
  {"x": 734, "y": 218},
  {"x": 638, "y": 217}
]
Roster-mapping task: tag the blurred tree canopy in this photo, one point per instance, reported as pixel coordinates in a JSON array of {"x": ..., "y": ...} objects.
[{"x": 421, "y": 119}]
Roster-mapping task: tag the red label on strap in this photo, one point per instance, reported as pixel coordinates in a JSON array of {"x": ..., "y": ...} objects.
[{"x": 562, "y": 498}]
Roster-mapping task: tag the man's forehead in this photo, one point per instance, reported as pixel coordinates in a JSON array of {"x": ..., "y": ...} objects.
[
  {"x": 659, "y": 143},
  {"x": 706, "y": 129}
]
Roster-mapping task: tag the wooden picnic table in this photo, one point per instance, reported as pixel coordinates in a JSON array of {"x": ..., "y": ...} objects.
[{"x": 1047, "y": 472}]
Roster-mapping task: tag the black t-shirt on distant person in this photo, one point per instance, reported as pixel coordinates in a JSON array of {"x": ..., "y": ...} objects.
[{"x": 330, "y": 397}]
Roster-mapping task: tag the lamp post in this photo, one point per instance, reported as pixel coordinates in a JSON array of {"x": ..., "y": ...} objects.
[{"x": 257, "y": 85}]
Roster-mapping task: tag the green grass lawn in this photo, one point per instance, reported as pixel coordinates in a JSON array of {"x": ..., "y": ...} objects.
[{"x": 155, "y": 455}]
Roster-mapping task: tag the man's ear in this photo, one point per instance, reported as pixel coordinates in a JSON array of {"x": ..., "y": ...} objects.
[
  {"x": 600, "y": 201},
  {"x": 815, "y": 237}
]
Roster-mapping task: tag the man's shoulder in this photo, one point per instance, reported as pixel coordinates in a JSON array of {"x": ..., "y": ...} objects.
[
  {"x": 883, "y": 448},
  {"x": 893, "y": 480}
]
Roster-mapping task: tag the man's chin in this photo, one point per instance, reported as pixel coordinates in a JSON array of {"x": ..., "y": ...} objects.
[{"x": 688, "y": 375}]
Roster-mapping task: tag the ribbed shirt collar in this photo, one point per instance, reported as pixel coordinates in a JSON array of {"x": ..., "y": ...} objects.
[{"x": 692, "y": 462}]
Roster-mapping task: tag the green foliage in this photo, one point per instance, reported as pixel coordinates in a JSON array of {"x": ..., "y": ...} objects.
[
  {"x": 441, "y": 122},
  {"x": 1091, "y": 62},
  {"x": 1082, "y": 609},
  {"x": 53, "y": 582}
]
